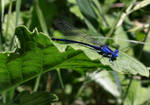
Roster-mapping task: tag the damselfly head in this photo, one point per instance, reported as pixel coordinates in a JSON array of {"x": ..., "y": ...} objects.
[{"x": 114, "y": 55}]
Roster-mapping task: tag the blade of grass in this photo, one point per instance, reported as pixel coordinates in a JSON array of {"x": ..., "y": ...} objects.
[
  {"x": 18, "y": 4},
  {"x": 2, "y": 11},
  {"x": 18, "y": 11},
  {"x": 125, "y": 14},
  {"x": 119, "y": 19},
  {"x": 115, "y": 24},
  {"x": 37, "y": 83},
  {"x": 8, "y": 18},
  {"x": 4, "y": 97},
  {"x": 60, "y": 78},
  {"x": 140, "y": 5},
  {"x": 41, "y": 18},
  {"x": 127, "y": 90},
  {"x": 131, "y": 9},
  {"x": 81, "y": 89},
  {"x": 101, "y": 12},
  {"x": 11, "y": 94},
  {"x": 87, "y": 81},
  {"x": 142, "y": 46},
  {"x": 1, "y": 47},
  {"x": 2, "y": 18},
  {"x": 110, "y": 33}
]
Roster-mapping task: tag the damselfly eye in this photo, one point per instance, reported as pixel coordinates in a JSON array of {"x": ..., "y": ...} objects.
[{"x": 116, "y": 53}]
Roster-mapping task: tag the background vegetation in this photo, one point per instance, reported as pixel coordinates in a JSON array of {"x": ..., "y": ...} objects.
[{"x": 34, "y": 70}]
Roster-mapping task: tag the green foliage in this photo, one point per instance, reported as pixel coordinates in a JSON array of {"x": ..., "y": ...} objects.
[
  {"x": 38, "y": 55},
  {"x": 30, "y": 61},
  {"x": 38, "y": 98}
]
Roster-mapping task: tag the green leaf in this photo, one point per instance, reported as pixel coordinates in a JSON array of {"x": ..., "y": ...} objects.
[
  {"x": 38, "y": 55},
  {"x": 128, "y": 65},
  {"x": 124, "y": 63}
]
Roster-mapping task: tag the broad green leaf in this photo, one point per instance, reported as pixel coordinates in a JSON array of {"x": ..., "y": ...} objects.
[
  {"x": 36, "y": 56},
  {"x": 127, "y": 64},
  {"x": 124, "y": 63}
]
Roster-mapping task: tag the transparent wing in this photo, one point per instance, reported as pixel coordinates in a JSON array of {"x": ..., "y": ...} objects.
[{"x": 73, "y": 33}]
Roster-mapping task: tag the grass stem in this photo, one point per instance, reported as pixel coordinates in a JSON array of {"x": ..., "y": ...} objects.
[
  {"x": 18, "y": 5},
  {"x": 37, "y": 83},
  {"x": 60, "y": 78}
]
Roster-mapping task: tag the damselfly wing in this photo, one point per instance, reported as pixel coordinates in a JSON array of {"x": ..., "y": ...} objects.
[{"x": 74, "y": 35}]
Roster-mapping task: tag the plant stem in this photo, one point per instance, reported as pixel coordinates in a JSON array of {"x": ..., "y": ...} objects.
[
  {"x": 1, "y": 23},
  {"x": 8, "y": 18},
  {"x": 48, "y": 85},
  {"x": 101, "y": 12},
  {"x": 18, "y": 5},
  {"x": 41, "y": 18},
  {"x": 4, "y": 97},
  {"x": 37, "y": 83},
  {"x": 81, "y": 89},
  {"x": 60, "y": 78},
  {"x": 142, "y": 46},
  {"x": 120, "y": 19},
  {"x": 127, "y": 90}
]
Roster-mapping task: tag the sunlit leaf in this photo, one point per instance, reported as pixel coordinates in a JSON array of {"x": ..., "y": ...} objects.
[{"x": 104, "y": 79}]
